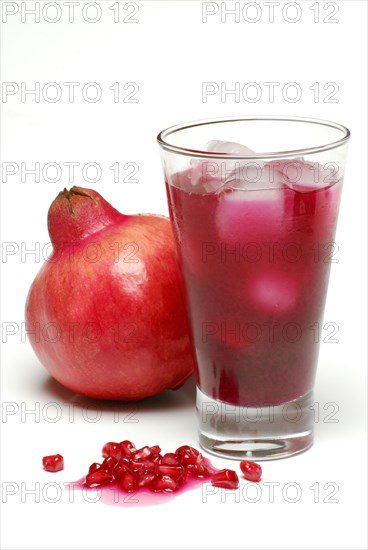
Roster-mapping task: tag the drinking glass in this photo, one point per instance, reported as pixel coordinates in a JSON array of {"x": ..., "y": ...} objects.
[{"x": 254, "y": 203}]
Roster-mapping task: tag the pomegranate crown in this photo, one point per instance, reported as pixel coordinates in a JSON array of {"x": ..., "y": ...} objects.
[{"x": 78, "y": 213}]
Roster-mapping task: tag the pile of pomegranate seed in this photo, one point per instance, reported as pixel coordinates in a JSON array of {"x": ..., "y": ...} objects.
[
  {"x": 132, "y": 469},
  {"x": 53, "y": 463}
]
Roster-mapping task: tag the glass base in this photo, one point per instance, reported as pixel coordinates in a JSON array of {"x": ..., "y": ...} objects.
[{"x": 255, "y": 433}]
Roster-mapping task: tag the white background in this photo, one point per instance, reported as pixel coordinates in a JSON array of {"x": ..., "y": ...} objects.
[{"x": 169, "y": 53}]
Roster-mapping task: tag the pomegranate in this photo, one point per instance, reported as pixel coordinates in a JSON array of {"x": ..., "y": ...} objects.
[{"x": 106, "y": 313}]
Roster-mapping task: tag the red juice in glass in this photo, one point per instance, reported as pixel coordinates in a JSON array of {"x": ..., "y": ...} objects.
[
  {"x": 255, "y": 242},
  {"x": 256, "y": 266}
]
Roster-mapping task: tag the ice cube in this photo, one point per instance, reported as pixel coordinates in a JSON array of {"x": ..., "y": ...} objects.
[
  {"x": 228, "y": 169},
  {"x": 205, "y": 177},
  {"x": 213, "y": 174},
  {"x": 303, "y": 176},
  {"x": 273, "y": 291},
  {"x": 249, "y": 216},
  {"x": 252, "y": 175},
  {"x": 228, "y": 148}
]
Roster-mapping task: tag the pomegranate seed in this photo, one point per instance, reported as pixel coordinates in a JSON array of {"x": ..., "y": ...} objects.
[
  {"x": 102, "y": 476},
  {"x": 111, "y": 449},
  {"x": 155, "y": 450},
  {"x": 120, "y": 469},
  {"x": 199, "y": 469},
  {"x": 145, "y": 479},
  {"x": 251, "y": 470},
  {"x": 170, "y": 459},
  {"x": 53, "y": 463},
  {"x": 156, "y": 459},
  {"x": 144, "y": 452},
  {"x": 164, "y": 483},
  {"x": 175, "y": 472},
  {"x": 227, "y": 479},
  {"x": 128, "y": 482},
  {"x": 145, "y": 465},
  {"x": 127, "y": 448},
  {"x": 110, "y": 462},
  {"x": 187, "y": 455},
  {"x": 95, "y": 466}
]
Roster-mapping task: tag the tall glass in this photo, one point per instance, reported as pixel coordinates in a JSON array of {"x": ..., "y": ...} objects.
[{"x": 254, "y": 203}]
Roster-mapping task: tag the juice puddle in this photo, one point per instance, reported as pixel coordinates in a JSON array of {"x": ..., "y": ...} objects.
[{"x": 114, "y": 496}]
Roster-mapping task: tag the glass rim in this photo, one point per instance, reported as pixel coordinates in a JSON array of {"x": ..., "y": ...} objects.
[{"x": 161, "y": 138}]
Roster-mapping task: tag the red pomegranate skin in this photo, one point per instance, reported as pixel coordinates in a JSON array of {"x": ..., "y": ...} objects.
[{"x": 106, "y": 313}]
